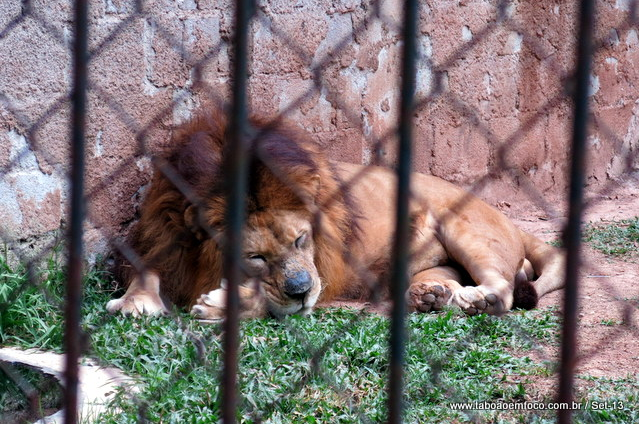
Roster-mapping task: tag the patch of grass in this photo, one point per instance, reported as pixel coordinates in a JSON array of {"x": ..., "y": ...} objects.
[
  {"x": 609, "y": 400},
  {"x": 556, "y": 242},
  {"x": 281, "y": 378},
  {"x": 609, "y": 322},
  {"x": 618, "y": 238},
  {"x": 30, "y": 315},
  {"x": 601, "y": 400},
  {"x": 331, "y": 366}
]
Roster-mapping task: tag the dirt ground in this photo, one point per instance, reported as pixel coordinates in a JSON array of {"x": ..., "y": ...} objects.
[{"x": 608, "y": 338}]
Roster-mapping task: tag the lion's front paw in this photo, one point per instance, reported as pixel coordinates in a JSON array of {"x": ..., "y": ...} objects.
[
  {"x": 137, "y": 304},
  {"x": 210, "y": 306},
  {"x": 477, "y": 300},
  {"x": 428, "y": 296}
]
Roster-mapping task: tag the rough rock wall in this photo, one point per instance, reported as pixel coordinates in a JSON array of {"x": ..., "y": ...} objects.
[{"x": 491, "y": 74}]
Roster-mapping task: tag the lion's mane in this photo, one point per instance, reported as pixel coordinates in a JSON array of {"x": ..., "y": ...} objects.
[{"x": 183, "y": 216}]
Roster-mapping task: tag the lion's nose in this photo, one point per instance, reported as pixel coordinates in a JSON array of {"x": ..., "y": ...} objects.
[{"x": 297, "y": 285}]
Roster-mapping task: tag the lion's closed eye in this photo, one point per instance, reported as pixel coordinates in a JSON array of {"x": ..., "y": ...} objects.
[
  {"x": 256, "y": 259},
  {"x": 256, "y": 263},
  {"x": 300, "y": 241}
]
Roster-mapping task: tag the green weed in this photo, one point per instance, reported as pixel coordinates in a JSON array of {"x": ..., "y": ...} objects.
[
  {"x": 30, "y": 314},
  {"x": 331, "y": 366},
  {"x": 618, "y": 238}
]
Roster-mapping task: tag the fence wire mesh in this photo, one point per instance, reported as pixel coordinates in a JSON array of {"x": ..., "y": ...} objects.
[{"x": 129, "y": 137}]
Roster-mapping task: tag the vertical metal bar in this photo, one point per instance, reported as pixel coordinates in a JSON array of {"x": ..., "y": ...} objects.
[
  {"x": 237, "y": 169},
  {"x": 74, "y": 276},
  {"x": 572, "y": 234},
  {"x": 399, "y": 276}
]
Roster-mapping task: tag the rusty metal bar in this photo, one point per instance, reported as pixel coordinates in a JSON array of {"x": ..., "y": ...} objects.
[
  {"x": 237, "y": 169},
  {"x": 401, "y": 248},
  {"x": 72, "y": 330},
  {"x": 572, "y": 234}
]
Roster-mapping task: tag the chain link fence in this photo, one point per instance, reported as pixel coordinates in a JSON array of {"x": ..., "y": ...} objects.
[{"x": 250, "y": 41}]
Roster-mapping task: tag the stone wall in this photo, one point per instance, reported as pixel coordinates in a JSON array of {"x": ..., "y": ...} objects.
[{"x": 491, "y": 74}]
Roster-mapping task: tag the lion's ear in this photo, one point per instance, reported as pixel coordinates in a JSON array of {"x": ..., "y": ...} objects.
[
  {"x": 315, "y": 184},
  {"x": 191, "y": 221}
]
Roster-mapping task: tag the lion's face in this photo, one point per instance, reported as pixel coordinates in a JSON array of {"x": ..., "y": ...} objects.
[{"x": 279, "y": 250}]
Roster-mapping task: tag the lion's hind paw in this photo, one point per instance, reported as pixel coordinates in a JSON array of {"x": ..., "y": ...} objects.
[
  {"x": 426, "y": 296},
  {"x": 474, "y": 300}
]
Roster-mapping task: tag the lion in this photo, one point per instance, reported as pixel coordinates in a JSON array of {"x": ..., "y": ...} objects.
[{"x": 318, "y": 230}]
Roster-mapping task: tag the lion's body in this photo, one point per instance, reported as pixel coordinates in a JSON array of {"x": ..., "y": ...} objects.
[
  {"x": 317, "y": 228},
  {"x": 435, "y": 224}
]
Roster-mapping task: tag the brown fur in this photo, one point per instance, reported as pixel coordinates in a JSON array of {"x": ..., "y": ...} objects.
[
  {"x": 464, "y": 252},
  {"x": 187, "y": 255}
]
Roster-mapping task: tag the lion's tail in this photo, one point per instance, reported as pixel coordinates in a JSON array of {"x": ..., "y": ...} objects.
[{"x": 546, "y": 263}]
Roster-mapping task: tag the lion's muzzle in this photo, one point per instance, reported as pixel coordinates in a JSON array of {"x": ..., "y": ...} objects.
[{"x": 297, "y": 285}]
